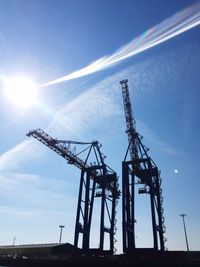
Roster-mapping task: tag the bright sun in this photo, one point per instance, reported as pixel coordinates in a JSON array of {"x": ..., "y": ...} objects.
[{"x": 21, "y": 91}]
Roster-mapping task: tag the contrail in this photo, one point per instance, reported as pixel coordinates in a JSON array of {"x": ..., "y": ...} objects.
[{"x": 181, "y": 22}]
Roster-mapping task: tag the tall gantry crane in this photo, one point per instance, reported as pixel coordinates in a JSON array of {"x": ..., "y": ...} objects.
[
  {"x": 139, "y": 168},
  {"x": 97, "y": 180}
]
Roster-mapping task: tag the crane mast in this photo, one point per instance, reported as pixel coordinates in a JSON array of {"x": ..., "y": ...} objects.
[
  {"x": 97, "y": 180},
  {"x": 130, "y": 121},
  {"x": 139, "y": 169}
]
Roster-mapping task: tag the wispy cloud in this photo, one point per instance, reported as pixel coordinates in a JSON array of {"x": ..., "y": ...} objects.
[
  {"x": 175, "y": 25},
  {"x": 34, "y": 191},
  {"x": 88, "y": 109},
  {"x": 160, "y": 145},
  {"x": 18, "y": 154}
]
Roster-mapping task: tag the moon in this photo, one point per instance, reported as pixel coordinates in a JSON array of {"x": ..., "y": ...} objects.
[{"x": 21, "y": 91}]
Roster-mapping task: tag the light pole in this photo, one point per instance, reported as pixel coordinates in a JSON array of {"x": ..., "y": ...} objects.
[
  {"x": 61, "y": 228},
  {"x": 186, "y": 239},
  {"x": 14, "y": 239}
]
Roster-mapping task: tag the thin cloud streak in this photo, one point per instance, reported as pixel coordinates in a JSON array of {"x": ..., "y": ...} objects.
[
  {"x": 177, "y": 24},
  {"x": 30, "y": 213},
  {"x": 12, "y": 157},
  {"x": 152, "y": 137},
  {"x": 18, "y": 154},
  {"x": 31, "y": 191}
]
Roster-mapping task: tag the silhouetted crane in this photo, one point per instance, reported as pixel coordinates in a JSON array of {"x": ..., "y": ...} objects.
[
  {"x": 140, "y": 169},
  {"x": 97, "y": 180}
]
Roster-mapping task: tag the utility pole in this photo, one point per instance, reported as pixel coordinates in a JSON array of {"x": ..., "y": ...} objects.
[
  {"x": 186, "y": 239},
  {"x": 61, "y": 228}
]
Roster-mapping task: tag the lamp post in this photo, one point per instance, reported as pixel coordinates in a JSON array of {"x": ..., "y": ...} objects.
[
  {"x": 186, "y": 239},
  {"x": 61, "y": 228}
]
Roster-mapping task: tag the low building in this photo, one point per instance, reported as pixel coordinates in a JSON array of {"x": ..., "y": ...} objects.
[{"x": 39, "y": 250}]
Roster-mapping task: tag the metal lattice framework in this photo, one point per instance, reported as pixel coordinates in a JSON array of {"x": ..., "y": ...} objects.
[
  {"x": 97, "y": 180},
  {"x": 139, "y": 169}
]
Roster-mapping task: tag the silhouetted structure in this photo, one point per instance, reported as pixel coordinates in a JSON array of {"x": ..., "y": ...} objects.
[
  {"x": 39, "y": 250},
  {"x": 139, "y": 168},
  {"x": 185, "y": 232},
  {"x": 61, "y": 230},
  {"x": 97, "y": 180}
]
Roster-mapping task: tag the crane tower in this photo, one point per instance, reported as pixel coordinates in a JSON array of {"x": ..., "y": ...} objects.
[
  {"x": 139, "y": 168},
  {"x": 97, "y": 180}
]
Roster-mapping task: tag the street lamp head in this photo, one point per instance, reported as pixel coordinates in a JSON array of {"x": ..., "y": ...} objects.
[
  {"x": 182, "y": 215},
  {"x": 61, "y": 226}
]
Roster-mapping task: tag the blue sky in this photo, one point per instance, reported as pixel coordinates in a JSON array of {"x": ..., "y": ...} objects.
[{"x": 47, "y": 40}]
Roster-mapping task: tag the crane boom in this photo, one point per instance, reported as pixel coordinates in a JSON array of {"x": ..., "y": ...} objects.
[
  {"x": 69, "y": 142},
  {"x": 60, "y": 147}
]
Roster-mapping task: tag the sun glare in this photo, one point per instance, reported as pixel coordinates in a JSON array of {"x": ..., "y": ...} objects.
[{"x": 21, "y": 91}]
